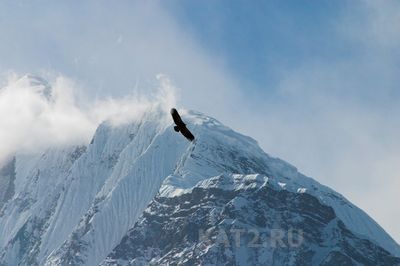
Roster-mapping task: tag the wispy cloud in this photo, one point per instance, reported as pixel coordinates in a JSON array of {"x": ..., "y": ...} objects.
[{"x": 36, "y": 115}]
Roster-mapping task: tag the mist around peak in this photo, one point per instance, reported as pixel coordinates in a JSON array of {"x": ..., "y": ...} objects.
[{"x": 37, "y": 113}]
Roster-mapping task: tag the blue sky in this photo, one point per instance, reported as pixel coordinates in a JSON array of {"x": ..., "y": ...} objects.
[
  {"x": 257, "y": 39},
  {"x": 261, "y": 41},
  {"x": 315, "y": 82}
]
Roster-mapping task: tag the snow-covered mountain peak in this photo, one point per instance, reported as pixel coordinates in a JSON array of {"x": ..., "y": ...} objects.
[
  {"x": 220, "y": 150},
  {"x": 35, "y": 83},
  {"x": 98, "y": 192}
]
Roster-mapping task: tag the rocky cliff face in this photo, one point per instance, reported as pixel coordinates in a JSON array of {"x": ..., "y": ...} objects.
[
  {"x": 243, "y": 220},
  {"x": 140, "y": 193},
  {"x": 7, "y": 178}
]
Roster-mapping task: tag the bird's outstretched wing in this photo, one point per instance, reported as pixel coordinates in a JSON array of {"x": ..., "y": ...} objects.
[
  {"x": 186, "y": 133},
  {"x": 177, "y": 118}
]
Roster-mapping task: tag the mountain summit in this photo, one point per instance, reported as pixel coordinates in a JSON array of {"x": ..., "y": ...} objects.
[
  {"x": 140, "y": 194},
  {"x": 37, "y": 84}
]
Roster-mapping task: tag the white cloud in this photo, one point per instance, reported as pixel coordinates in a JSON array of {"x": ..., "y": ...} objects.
[{"x": 35, "y": 115}]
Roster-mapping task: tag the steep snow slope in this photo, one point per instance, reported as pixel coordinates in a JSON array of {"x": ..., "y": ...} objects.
[
  {"x": 75, "y": 205},
  {"x": 136, "y": 177},
  {"x": 24, "y": 218}
]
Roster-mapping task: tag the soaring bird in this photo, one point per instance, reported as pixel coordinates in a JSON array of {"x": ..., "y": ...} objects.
[{"x": 180, "y": 126}]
